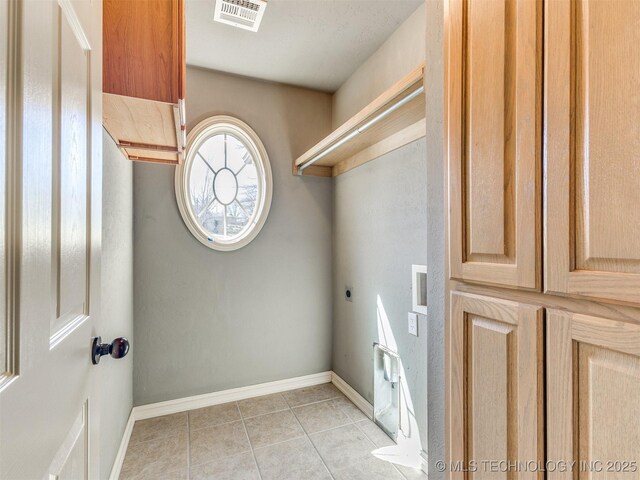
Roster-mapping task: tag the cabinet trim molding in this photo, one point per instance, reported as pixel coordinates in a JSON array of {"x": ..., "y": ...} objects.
[
  {"x": 609, "y": 345},
  {"x": 590, "y": 241},
  {"x": 516, "y": 328},
  {"x": 493, "y": 142}
]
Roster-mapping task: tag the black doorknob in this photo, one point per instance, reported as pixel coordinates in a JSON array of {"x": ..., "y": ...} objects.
[{"x": 117, "y": 349}]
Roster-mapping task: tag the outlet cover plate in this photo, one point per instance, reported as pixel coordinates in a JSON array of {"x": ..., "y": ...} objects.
[
  {"x": 348, "y": 293},
  {"x": 413, "y": 323}
]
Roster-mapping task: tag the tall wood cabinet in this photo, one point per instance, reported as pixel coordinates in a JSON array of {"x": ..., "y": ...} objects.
[
  {"x": 493, "y": 141},
  {"x": 543, "y": 232},
  {"x": 496, "y": 403},
  {"x": 144, "y": 69},
  {"x": 593, "y": 382},
  {"x": 592, "y": 156}
]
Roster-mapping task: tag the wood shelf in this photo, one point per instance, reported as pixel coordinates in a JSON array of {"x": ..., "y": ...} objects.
[{"x": 402, "y": 126}]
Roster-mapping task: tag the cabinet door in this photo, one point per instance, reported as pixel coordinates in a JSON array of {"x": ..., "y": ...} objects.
[
  {"x": 495, "y": 390},
  {"x": 592, "y": 140},
  {"x": 144, "y": 49},
  {"x": 493, "y": 116},
  {"x": 593, "y": 381}
]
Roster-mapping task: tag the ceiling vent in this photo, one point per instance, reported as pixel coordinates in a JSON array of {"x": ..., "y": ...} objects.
[{"x": 246, "y": 14}]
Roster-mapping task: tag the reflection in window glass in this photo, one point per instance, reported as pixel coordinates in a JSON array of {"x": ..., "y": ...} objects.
[
  {"x": 223, "y": 185},
  {"x": 227, "y": 184}
]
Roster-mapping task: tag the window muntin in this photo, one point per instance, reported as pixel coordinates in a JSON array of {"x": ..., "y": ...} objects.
[{"x": 224, "y": 186}]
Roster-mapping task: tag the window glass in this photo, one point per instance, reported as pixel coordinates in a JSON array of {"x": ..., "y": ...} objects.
[{"x": 224, "y": 185}]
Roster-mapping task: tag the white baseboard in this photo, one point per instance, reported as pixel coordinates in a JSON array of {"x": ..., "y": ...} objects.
[
  {"x": 360, "y": 402},
  {"x": 143, "y": 412},
  {"x": 124, "y": 444},
  {"x": 357, "y": 399},
  {"x": 169, "y": 407},
  {"x": 235, "y": 394}
]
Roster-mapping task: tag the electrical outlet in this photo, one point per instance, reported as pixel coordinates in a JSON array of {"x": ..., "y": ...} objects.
[
  {"x": 413, "y": 323},
  {"x": 348, "y": 294}
]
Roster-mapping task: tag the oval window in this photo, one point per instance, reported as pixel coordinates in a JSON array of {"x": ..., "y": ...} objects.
[{"x": 223, "y": 187}]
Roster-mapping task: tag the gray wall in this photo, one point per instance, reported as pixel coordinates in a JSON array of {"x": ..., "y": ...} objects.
[
  {"x": 207, "y": 321},
  {"x": 436, "y": 227},
  {"x": 397, "y": 56},
  {"x": 380, "y": 230},
  {"x": 115, "y": 377}
]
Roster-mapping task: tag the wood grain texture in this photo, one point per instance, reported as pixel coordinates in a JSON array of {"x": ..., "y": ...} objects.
[
  {"x": 574, "y": 304},
  {"x": 495, "y": 383},
  {"x": 144, "y": 129},
  {"x": 403, "y": 137},
  {"x": 488, "y": 158},
  {"x": 144, "y": 78},
  {"x": 143, "y": 49},
  {"x": 493, "y": 122},
  {"x": 364, "y": 145},
  {"x": 592, "y": 138},
  {"x": 593, "y": 381}
]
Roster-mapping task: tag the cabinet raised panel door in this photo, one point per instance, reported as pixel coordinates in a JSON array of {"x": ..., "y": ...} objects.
[
  {"x": 494, "y": 119},
  {"x": 592, "y": 149},
  {"x": 495, "y": 386},
  {"x": 593, "y": 383}
]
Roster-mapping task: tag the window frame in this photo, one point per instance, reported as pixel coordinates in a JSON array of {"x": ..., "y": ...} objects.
[{"x": 210, "y": 126}]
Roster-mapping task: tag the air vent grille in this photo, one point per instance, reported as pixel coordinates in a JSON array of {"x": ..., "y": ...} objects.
[{"x": 246, "y": 14}]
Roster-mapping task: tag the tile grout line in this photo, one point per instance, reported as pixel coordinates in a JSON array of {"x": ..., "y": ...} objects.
[
  {"x": 313, "y": 445},
  {"x": 288, "y": 407},
  {"x": 268, "y": 413},
  {"x": 376, "y": 446},
  {"x": 314, "y": 403},
  {"x": 350, "y": 422},
  {"x": 350, "y": 419},
  {"x": 282, "y": 441},
  {"x": 242, "y": 417},
  {"x": 218, "y": 424},
  {"x": 246, "y": 432},
  {"x": 304, "y": 433},
  {"x": 163, "y": 437}
]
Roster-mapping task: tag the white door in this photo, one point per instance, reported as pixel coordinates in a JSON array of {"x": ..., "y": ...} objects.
[{"x": 50, "y": 149}]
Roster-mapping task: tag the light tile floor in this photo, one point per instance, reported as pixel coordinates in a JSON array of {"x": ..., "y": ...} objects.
[{"x": 306, "y": 434}]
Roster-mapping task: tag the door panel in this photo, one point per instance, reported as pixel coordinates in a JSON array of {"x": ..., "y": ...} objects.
[
  {"x": 4, "y": 73},
  {"x": 592, "y": 162},
  {"x": 494, "y": 93},
  {"x": 9, "y": 200},
  {"x": 70, "y": 164},
  {"x": 72, "y": 460},
  {"x": 593, "y": 380},
  {"x": 49, "y": 413},
  {"x": 495, "y": 384}
]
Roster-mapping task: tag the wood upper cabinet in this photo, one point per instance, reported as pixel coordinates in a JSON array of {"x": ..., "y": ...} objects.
[
  {"x": 493, "y": 92},
  {"x": 593, "y": 382},
  {"x": 144, "y": 70},
  {"x": 592, "y": 149},
  {"x": 495, "y": 377}
]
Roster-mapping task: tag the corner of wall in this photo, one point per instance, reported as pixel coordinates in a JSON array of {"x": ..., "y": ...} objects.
[
  {"x": 116, "y": 317},
  {"x": 436, "y": 265},
  {"x": 403, "y": 51}
]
